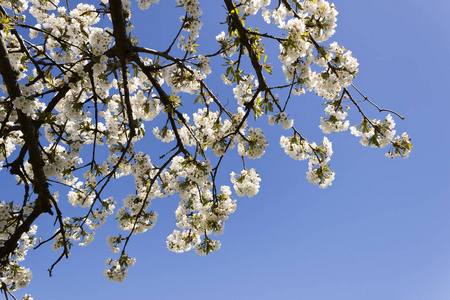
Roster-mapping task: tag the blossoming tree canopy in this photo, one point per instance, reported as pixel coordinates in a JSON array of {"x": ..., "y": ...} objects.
[{"x": 80, "y": 94}]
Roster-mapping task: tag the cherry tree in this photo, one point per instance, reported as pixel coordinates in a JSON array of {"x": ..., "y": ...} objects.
[{"x": 80, "y": 93}]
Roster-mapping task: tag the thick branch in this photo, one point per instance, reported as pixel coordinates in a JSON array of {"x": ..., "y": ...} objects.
[
  {"x": 245, "y": 40},
  {"x": 122, "y": 48},
  {"x": 30, "y": 136},
  {"x": 123, "y": 44}
]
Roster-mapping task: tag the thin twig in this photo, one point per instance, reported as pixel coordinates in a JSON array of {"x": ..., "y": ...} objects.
[{"x": 379, "y": 109}]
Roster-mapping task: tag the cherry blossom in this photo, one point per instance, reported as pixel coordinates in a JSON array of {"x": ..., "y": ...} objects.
[{"x": 81, "y": 96}]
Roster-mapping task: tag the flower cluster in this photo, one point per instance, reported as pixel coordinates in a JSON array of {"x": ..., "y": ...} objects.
[
  {"x": 252, "y": 144},
  {"x": 281, "y": 119},
  {"x": 114, "y": 242},
  {"x": 145, "y": 4},
  {"x": 295, "y": 147},
  {"x": 100, "y": 41},
  {"x": 243, "y": 92},
  {"x": 314, "y": 22},
  {"x": 118, "y": 269},
  {"x": 14, "y": 275},
  {"x": 247, "y": 183},
  {"x": 319, "y": 156},
  {"x": 28, "y": 107},
  {"x": 191, "y": 24},
  {"x": 318, "y": 168},
  {"x": 165, "y": 134},
  {"x": 401, "y": 146},
  {"x": 228, "y": 46},
  {"x": 335, "y": 122},
  {"x": 7, "y": 146},
  {"x": 73, "y": 232},
  {"x": 183, "y": 79},
  {"x": 199, "y": 213},
  {"x": 375, "y": 133}
]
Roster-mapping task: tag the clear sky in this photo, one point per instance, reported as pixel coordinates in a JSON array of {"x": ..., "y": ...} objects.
[{"x": 380, "y": 232}]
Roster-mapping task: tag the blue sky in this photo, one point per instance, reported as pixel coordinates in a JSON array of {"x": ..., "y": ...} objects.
[{"x": 381, "y": 231}]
